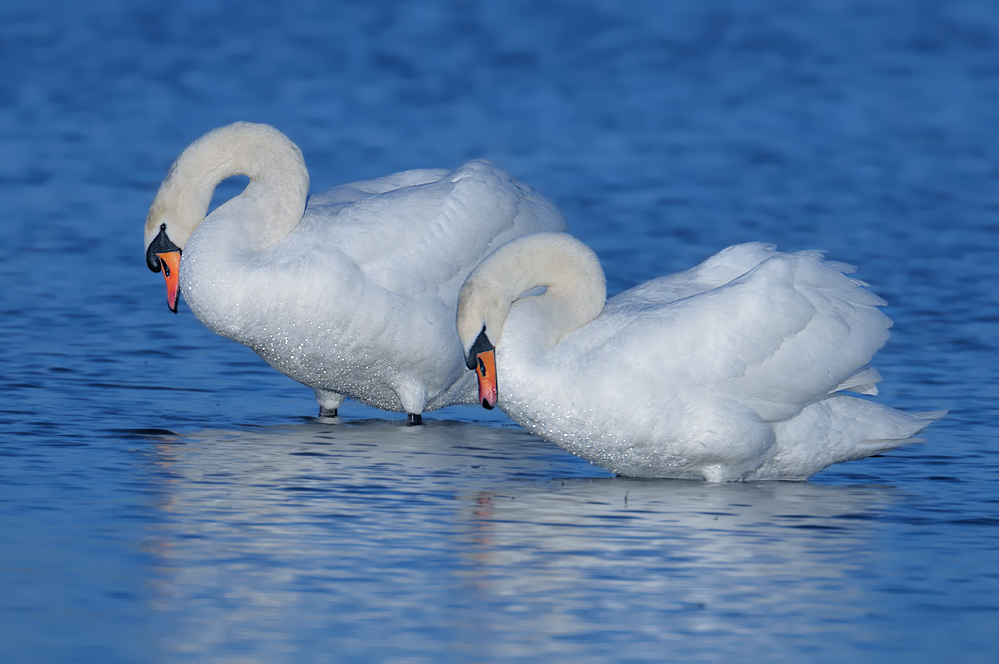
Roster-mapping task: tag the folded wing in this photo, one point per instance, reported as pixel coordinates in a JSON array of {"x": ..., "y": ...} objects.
[
  {"x": 421, "y": 232},
  {"x": 786, "y": 333}
]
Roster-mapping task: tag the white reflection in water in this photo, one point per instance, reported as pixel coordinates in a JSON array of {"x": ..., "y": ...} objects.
[{"x": 485, "y": 539}]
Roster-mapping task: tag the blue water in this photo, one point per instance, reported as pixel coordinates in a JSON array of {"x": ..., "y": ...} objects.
[{"x": 166, "y": 497}]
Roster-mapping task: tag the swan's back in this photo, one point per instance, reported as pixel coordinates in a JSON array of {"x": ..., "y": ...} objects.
[
  {"x": 341, "y": 195},
  {"x": 421, "y": 232},
  {"x": 785, "y": 333},
  {"x": 718, "y": 270}
]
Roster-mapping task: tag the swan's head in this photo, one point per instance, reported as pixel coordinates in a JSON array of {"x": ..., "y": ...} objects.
[
  {"x": 163, "y": 255},
  {"x": 164, "y": 241},
  {"x": 481, "y": 315}
]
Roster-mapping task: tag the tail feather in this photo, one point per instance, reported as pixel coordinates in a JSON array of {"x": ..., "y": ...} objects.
[
  {"x": 862, "y": 382},
  {"x": 915, "y": 423},
  {"x": 841, "y": 428}
]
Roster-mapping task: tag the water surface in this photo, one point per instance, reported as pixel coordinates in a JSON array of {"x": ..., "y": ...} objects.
[{"x": 165, "y": 496}]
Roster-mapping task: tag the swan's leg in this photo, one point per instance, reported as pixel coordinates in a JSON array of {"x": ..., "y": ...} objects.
[
  {"x": 328, "y": 402},
  {"x": 413, "y": 397}
]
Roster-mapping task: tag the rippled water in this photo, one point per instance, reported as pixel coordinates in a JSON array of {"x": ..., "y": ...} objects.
[{"x": 165, "y": 496}]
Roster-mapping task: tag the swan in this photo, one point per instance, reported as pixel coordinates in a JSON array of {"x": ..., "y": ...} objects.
[
  {"x": 352, "y": 291},
  {"x": 733, "y": 370}
]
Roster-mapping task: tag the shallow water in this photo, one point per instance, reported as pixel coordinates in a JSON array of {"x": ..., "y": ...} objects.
[{"x": 165, "y": 496}]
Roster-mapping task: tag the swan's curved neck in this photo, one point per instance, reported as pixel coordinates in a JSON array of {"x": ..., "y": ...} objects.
[
  {"x": 279, "y": 182},
  {"x": 575, "y": 289}
]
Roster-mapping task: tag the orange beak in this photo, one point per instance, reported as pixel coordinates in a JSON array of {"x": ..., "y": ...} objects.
[
  {"x": 170, "y": 261},
  {"x": 486, "y": 372}
]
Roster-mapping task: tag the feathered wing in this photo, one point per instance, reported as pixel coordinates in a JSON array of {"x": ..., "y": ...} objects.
[
  {"x": 785, "y": 334},
  {"x": 718, "y": 270},
  {"x": 341, "y": 195},
  {"x": 424, "y": 236}
]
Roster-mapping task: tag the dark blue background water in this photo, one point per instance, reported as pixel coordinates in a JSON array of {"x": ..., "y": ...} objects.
[{"x": 165, "y": 496}]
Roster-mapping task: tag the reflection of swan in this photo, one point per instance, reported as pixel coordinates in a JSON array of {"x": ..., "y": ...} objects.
[
  {"x": 455, "y": 536},
  {"x": 732, "y": 370},
  {"x": 747, "y": 565},
  {"x": 352, "y": 292}
]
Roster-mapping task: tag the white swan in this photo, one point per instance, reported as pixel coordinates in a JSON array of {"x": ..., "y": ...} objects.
[
  {"x": 733, "y": 370},
  {"x": 351, "y": 292}
]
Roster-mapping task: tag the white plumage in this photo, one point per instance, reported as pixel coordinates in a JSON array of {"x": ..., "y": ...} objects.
[
  {"x": 352, "y": 291},
  {"x": 733, "y": 370}
]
